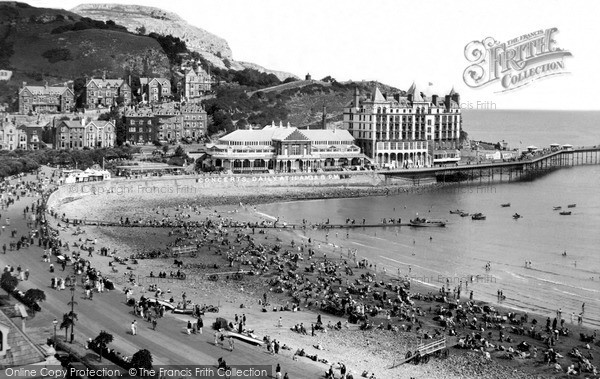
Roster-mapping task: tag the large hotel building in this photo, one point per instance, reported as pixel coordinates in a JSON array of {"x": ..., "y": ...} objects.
[{"x": 404, "y": 131}]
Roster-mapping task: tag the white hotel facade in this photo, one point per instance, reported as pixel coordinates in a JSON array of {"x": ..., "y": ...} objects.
[{"x": 406, "y": 131}]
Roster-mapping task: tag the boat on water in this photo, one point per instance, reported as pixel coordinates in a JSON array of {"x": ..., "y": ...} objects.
[
  {"x": 423, "y": 222},
  {"x": 557, "y": 208},
  {"x": 517, "y": 216},
  {"x": 565, "y": 213},
  {"x": 456, "y": 212},
  {"x": 505, "y": 205},
  {"x": 571, "y": 205},
  {"x": 464, "y": 214},
  {"x": 478, "y": 216}
]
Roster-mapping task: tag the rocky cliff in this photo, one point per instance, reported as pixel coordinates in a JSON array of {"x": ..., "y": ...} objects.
[{"x": 213, "y": 48}]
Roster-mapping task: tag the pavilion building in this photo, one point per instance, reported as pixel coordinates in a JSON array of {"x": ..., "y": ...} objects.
[{"x": 285, "y": 149}]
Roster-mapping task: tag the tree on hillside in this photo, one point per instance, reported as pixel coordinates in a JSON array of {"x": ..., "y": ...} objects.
[
  {"x": 464, "y": 137},
  {"x": 141, "y": 30},
  {"x": 79, "y": 89},
  {"x": 8, "y": 281},
  {"x": 34, "y": 295},
  {"x": 241, "y": 124},
  {"x": 102, "y": 340},
  {"x": 179, "y": 152},
  {"x": 120, "y": 129},
  {"x": 67, "y": 321},
  {"x": 142, "y": 359},
  {"x": 172, "y": 46}
]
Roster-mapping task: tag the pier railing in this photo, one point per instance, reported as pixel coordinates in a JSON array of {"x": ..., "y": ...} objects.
[{"x": 530, "y": 166}]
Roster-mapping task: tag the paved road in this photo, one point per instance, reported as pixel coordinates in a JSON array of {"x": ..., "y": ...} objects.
[{"x": 169, "y": 344}]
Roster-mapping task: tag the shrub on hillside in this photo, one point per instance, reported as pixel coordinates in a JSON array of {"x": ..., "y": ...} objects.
[
  {"x": 87, "y": 23},
  {"x": 57, "y": 55}
]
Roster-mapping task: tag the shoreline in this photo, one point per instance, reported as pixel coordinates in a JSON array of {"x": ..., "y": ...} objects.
[{"x": 227, "y": 211}]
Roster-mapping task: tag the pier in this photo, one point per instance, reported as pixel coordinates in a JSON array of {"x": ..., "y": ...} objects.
[{"x": 524, "y": 169}]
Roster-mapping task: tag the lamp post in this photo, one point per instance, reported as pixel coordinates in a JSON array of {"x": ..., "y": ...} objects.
[
  {"x": 72, "y": 289},
  {"x": 55, "y": 323}
]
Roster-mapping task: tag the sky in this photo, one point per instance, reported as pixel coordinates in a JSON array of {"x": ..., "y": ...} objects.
[{"x": 399, "y": 42}]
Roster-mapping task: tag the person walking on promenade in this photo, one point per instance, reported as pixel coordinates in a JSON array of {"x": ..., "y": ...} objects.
[
  {"x": 133, "y": 328},
  {"x": 154, "y": 323},
  {"x": 231, "y": 343},
  {"x": 189, "y": 327},
  {"x": 200, "y": 325},
  {"x": 278, "y": 371},
  {"x": 279, "y": 323}
]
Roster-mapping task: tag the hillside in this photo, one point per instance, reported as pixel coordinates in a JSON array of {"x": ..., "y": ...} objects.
[
  {"x": 306, "y": 104},
  {"x": 134, "y": 17},
  {"x": 300, "y": 103},
  {"x": 37, "y": 55}
]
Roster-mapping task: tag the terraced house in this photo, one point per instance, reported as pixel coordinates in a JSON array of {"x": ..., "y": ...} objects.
[
  {"x": 45, "y": 99},
  {"x": 106, "y": 92},
  {"x": 404, "y": 131},
  {"x": 81, "y": 133},
  {"x": 156, "y": 90},
  {"x": 9, "y": 135},
  {"x": 168, "y": 122}
]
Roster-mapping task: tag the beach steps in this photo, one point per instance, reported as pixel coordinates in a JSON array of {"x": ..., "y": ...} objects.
[{"x": 438, "y": 348}]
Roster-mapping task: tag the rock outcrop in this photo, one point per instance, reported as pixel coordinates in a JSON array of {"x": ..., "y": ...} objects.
[{"x": 212, "y": 48}]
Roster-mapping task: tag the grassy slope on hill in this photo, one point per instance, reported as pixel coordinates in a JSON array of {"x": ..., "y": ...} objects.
[
  {"x": 305, "y": 105},
  {"x": 36, "y": 55}
]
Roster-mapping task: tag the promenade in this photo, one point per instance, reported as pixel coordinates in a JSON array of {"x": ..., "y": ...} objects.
[{"x": 169, "y": 344}]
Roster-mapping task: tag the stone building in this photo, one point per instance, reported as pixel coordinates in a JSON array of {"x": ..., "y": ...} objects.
[{"x": 46, "y": 99}]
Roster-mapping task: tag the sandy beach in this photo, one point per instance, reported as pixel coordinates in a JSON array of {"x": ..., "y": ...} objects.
[{"x": 362, "y": 351}]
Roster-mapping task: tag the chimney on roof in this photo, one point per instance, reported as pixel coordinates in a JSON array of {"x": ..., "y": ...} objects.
[
  {"x": 324, "y": 117},
  {"x": 24, "y": 84},
  {"x": 434, "y": 99},
  {"x": 83, "y": 121},
  {"x": 456, "y": 98},
  {"x": 46, "y": 85}
]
